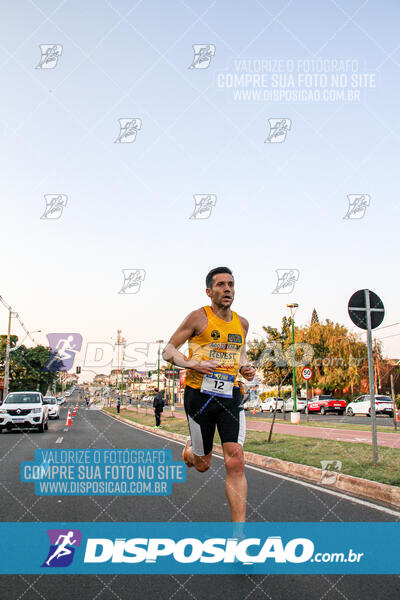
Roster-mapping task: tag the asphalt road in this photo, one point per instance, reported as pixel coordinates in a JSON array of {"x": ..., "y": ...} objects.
[{"x": 201, "y": 498}]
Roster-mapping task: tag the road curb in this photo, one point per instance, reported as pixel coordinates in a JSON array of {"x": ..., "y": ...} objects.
[{"x": 333, "y": 480}]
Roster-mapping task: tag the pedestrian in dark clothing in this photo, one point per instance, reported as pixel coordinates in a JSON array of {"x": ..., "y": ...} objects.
[
  {"x": 158, "y": 405},
  {"x": 118, "y": 405}
]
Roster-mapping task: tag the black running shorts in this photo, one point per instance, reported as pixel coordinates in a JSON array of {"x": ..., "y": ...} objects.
[{"x": 203, "y": 415}]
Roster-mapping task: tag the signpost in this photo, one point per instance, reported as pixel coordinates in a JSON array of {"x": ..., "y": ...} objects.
[
  {"x": 366, "y": 310},
  {"x": 306, "y": 374}
]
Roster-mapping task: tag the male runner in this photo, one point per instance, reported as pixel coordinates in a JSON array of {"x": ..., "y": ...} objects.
[{"x": 216, "y": 337}]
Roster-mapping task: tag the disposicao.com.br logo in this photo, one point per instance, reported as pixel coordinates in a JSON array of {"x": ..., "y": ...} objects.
[
  {"x": 207, "y": 548},
  {"x": 213, "y": 550}
]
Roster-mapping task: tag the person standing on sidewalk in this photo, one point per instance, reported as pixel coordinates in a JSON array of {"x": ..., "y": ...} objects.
[
  {"x": 118, "y": 404},
  {"x": 158, "y": 405}
]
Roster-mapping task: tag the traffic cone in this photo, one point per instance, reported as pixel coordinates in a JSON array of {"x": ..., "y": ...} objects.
[
  {"x": 254, "y": 410},
  {"x": 397, "y": 415},
  {"x": 74, "y": 412},
  {"x": 68, "y": 422}
]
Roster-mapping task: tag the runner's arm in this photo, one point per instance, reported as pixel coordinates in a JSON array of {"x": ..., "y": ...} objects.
[
  {"x": 245, "y": 368},
  {"x": 171, "y": 353}
]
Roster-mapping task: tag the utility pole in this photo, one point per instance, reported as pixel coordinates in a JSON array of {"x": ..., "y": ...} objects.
[{"x": 7, "y": 359}]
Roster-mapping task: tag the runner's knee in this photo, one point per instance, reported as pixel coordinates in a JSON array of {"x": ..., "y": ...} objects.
[{"x": 234, "y": 462}]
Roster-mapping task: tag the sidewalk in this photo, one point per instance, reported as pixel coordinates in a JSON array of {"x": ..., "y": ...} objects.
[{"x": 391, "y": 440}]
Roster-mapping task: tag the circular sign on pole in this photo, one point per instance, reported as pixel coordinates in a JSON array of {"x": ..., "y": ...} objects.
[
  {"x": 306, "y": 373},
  {"x": 358, "y": 310}
]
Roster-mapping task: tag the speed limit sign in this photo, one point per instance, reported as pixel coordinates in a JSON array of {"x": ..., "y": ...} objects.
[{"x": 306, "y": 373}]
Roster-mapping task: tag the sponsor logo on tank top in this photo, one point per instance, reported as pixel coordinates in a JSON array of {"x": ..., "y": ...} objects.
[{"x": 235, "y": 337}]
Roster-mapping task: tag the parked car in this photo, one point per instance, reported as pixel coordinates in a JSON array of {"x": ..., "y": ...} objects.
[
  {"x": 268, "y": 405},
  {"x": 24, "y": 410},
  {"x": 54, "y": 407},
  {"x": 362, "y": 406},
  {"x": 325, "y": 404},
  {"x": 60, "y": 400},
  {"x": 301, "y": 404}
]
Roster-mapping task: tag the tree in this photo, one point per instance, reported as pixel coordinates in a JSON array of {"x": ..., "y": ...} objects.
[
  {"x": 27, "y": 366},
  {"x": 337, "y": 357},
  {"x": 340, "y": 359},
  {"x": 269, "y": 354},
  {"x": 314, "y": 317}
]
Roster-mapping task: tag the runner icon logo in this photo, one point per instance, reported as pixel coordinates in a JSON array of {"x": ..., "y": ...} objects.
[
  {"x": 50, "y": 53},
  {"x": 63, "y": 543},
  {"x": 203, "y": 54},
  {"x": 278, "y": 129},
  {"x": 358, "y": 204}
]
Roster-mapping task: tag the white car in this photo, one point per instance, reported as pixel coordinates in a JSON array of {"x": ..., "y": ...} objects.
[
  {"x": 268, "y": 404},
  {"x": 300, "y": 402},
  {"x": 54, "y": 407},
  {"x": 362, "y": 406},
  {"x": 24, "y": 410}
]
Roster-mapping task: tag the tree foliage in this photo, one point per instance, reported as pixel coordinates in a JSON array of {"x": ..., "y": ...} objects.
[
  {"x": 337, "y": 357},
  {"x": 314, "y": 317},
  {"x": 27, "y": 366}
]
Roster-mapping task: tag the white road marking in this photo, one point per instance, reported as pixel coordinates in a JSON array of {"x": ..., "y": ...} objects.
[
  {"x": 384, "y": 509},
  {"x": 59, "y": 440}
]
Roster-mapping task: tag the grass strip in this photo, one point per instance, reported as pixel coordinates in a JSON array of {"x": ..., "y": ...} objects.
[{"x": 356, "y": 459}]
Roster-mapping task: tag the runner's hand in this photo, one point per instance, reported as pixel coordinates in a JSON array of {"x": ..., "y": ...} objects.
[
  {"x": 207, "y": 367},
  {"x": 248, "y": 371}
]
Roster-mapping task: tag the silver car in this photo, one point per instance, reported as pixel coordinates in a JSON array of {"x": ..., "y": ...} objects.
[
  {"x": 301, "y": 404},
  {"x": 268, "y": 405},
  {"x": 54, "y": 407}
]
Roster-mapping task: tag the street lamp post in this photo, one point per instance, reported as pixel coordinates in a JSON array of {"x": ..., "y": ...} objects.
[{"x": 295, "y": 416}]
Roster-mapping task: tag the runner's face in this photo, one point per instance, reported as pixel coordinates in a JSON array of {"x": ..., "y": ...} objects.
[{"x": 222, "y": 291}]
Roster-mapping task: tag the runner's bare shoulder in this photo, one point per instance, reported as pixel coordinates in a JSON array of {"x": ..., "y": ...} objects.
[
  {"x": 198, "y": 320},
  {"x": 192, "y": 325}
]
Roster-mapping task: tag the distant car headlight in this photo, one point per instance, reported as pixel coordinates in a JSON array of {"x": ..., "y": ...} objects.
[{"x": 36, "y": 410}]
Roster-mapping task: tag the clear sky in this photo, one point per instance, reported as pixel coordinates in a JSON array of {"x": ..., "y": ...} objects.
[{"x": 278, "y": 205}]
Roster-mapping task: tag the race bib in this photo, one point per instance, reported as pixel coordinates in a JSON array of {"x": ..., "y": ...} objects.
[{"x": 218, "y": 384}]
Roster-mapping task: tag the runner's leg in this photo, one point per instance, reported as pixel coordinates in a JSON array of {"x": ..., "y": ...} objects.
[
  {"x": 231, "y": 425},
  {"x": 235, "y": 482},
  {"x": 202, "y": 429}
]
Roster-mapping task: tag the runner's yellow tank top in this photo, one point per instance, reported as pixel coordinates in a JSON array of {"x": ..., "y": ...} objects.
[{"x": 221, "y": 340}]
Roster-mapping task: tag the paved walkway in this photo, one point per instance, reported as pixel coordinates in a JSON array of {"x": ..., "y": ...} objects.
[{"x": 391, "y": 440}]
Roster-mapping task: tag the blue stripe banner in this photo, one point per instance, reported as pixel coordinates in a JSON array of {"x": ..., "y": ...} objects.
[{"x": 200, "y": 548}]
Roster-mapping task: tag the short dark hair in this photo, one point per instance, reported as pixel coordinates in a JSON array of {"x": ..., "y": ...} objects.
[{"x": 209, "y": 278}]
